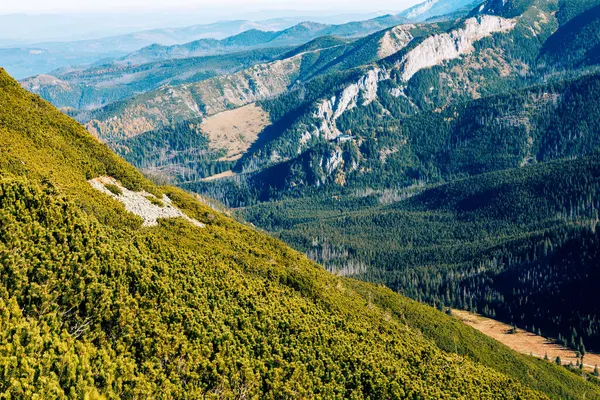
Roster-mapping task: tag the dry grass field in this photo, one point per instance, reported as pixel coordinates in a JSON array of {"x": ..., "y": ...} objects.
[
  {"x": 235, "y": 130},
  {"x": 523, "y": 341}
]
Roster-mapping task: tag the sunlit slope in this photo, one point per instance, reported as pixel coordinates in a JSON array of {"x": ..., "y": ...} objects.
[{"x": 92, "y": 304}]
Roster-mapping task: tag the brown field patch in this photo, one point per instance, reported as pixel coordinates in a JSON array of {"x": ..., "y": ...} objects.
[
  {"x": 235, "y": 130},
  {"x": 523, "y": 341},
  {"x": 225, "y": 174}
]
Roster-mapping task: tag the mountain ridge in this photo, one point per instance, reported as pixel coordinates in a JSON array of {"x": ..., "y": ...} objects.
[{"x": 167, "y": 309}]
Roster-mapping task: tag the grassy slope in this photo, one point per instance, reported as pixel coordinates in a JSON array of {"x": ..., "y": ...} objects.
[{"x": 91, "y": 304}]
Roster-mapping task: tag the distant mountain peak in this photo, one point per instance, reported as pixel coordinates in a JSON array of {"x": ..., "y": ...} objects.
[
  {"x": 420, "y": 9},
  {"x": 434, "y": 8}
]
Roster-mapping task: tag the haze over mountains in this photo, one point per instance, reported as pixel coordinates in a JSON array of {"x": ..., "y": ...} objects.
[
  {"x": 449, "y": 153},
  {"x": 435, "y": 8},
  {"x": 203, "y": 290},
  {"x": 45, "y": 56}
]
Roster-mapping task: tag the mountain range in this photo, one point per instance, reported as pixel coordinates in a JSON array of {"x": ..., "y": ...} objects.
[
  {"x": 452, "y": 158},
  {"x": 39, "y": 57},
  {"x": 116, "y": 287},
  {"x": 434, "y": 8}
]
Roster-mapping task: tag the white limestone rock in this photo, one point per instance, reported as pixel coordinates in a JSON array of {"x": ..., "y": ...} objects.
[
  {"x": 448, "y": 46},
  {"x": 139, "y": 204}
]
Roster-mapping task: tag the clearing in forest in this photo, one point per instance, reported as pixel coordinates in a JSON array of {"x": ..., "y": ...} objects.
[
  {"x": 525, "y": 342},
  {"x": 235, "y": 130}
]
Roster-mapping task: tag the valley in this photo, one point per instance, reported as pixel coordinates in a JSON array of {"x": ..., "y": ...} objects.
[
  {"x": 205, "y": 294},
  {"x": 406, "y": 206}
]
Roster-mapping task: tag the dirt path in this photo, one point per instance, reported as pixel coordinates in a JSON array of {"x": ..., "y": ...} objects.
[{"x": 523, "y": 341}]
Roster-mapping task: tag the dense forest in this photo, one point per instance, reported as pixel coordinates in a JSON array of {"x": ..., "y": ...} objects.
[
  {"x": 474, "y": 184},
  {"x": 94, "y": 305},
  {"x": 512, "y": 244}
]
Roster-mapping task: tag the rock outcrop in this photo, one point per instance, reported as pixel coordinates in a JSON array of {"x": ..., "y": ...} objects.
[
  {"x": 142, "y": 204},
  {"x": 448, "y": 46},
  {"x": 395, "y": 40},
  {"x": 362, "y": 93}
]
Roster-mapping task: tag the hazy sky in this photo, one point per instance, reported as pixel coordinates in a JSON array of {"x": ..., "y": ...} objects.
[{"x": 44, "y": 6}]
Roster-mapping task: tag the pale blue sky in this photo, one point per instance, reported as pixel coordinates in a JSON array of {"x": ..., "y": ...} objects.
[{"x": 342, "y": 6}]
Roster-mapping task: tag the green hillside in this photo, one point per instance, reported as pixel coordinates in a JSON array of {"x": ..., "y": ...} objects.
[
  {"x": 576, "y": 43},
  {"x": 94, "y": 305}
]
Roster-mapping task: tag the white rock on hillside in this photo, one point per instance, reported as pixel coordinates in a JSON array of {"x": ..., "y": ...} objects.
[
  {"x": 448, "y": 46},
  {"x": 139, "y": 203},
  {"x": 431, "y": 52},
  {"x": 395, "y": 40},
  {"x": 328, "y": 111}
]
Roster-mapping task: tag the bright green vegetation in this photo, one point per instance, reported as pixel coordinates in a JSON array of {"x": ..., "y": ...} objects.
[
  {"x": 93, "y": 305},
  {"x": 155, "y": 201}
]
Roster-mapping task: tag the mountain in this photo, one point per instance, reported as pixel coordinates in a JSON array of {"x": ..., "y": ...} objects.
[
  {"x": 316, "y": 97},
  {"x": 141, "y": 72},
  {"x": 499, "y": 132},
  {"x": 169, "y": 36},
  {"x": 97, "y": 86},
  {"x": 130, "y": 289},
  {"x": 510, "y": 244},
  {"x": 34, "y": 28},
  {"x": 42, "y": 58},
  {"x": 435, "y": 8},
  {"x": 295, "y": 35},
  {"x": 330, "y": 91},
  {"x": 46, "y": 57},
  {"x": 26, "y": 61},
  {"x": 259, "y": 82}
]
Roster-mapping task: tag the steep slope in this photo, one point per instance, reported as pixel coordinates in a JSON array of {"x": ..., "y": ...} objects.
[
  {"x": 388, "y": 90},
  {"x": 94, "y": 305},
  {"x": 577, "y": 41},
  {"x": 505, "y": 131}
]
